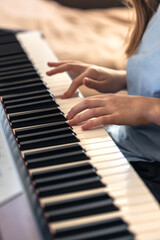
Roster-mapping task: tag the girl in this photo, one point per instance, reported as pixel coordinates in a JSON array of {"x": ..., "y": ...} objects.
[{"x": 136, "y": 115}]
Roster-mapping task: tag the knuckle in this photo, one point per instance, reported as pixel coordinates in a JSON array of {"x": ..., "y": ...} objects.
[
  {"x": 102, "y": 120},
  {"x": 110, "y": 98},
  {"x": 91, "y": 123},
  {"x": 86, "y": 102},
  {"x": 92, "y": 71},
  {"x": 69, "y": 66},
  {"x": 93, "y": 112},
  {"x": 77, "y": 118},
  {"x": 116, "y": 118},
  {"x": 77, "y": 82},
  {"x": 110, "y": 95}
]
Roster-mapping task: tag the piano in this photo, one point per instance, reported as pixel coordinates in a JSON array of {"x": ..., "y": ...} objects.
[{"x": 56, "y": 181}]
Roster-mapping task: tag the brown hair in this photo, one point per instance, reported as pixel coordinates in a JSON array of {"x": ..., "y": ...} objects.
[{"x": 144, "y": 10}]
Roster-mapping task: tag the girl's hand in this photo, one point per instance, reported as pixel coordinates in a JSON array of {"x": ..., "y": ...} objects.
[
  {"x": 115, "y": 109},
  {"x": 102, "y": 79}
]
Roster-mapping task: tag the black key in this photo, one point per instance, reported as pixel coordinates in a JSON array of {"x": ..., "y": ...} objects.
[
  {"x": 15, "y": 83},
  {"x": 25, "y": 100},
  {"x": 35, "y": 105},
  {"x": 26, "y": 95},
  {"x": 69, "y": 187},
  {"x": 16, "y": 62},
  {"x": 54, "y": 117},
  {"x": 36, "y": 113},
  {"x": 8, "y": 70},
  {"x": 9, "y": 73},
  {"x": 13, "y": 48},
  {"x": 80, "y": 207},
  {"x": 20, "y": 76},
  {"x": 42, "y": 96},
  {"x": 110, "y": 229},
  {"x": 21, "y": 89},
  {"x": 53, "y": 151},
  {"x": 31, "y": 130},
  {"x": 55, "y": 156},
  {"x": 48, "y": 141},
  {"x": 71, "y": 176},
  {"x": 12, "y": 58},
  {"x": 8, "y": 39},
  {"x": 4, "y": 32},
  {"x": 76, "y": 201},
  {"x": 61, "y": 171},
  {"x": 62, "y": 158},
  {"x": 44, "y": 134}
]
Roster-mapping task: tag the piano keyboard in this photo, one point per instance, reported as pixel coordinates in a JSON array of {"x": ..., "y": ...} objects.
[{"x": 78, "y": 185}]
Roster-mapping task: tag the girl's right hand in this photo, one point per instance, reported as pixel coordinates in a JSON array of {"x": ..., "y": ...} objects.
[{"x": 102, "y": 79}]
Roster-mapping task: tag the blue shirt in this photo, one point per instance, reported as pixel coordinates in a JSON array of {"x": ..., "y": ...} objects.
[{"x": 142, "y": 143}]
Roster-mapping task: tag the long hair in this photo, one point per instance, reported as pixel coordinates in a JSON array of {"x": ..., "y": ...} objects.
[{"x": 144, "y": 10}]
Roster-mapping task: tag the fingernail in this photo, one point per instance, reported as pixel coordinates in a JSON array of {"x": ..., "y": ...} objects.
[
  {"x": 70, "y": 122},
  {"x": 65, "y": 95},
  {"x": 87, "y": 81},
  {"x": 68, "y": 117},
  {"x": 84, "y": 127}
]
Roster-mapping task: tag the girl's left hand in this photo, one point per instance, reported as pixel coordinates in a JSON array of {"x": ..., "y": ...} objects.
[{"x": 116, "y": 109}]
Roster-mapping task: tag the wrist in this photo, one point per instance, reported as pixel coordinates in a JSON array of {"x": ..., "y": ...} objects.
[
  {"x": 122, "y": 77},
  {"x": 153, "y": 113}
]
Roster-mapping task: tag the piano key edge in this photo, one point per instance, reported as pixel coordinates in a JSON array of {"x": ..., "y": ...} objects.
[{"x": 33, "y": 212}]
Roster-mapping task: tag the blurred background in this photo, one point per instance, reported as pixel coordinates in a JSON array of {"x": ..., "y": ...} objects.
[{"x": 85, "y": 30}]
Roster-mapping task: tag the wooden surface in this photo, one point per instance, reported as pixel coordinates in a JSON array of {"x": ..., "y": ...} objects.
[{"x": 95, "y": 36}]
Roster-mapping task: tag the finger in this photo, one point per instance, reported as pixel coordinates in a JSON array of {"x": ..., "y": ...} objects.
[
  {"x": 58, "y": 63},
  {"x": 66, "y": 67},
  {"x": 59, "y": 69},
  {"x": 94, "y": 84},
  {"x": 83, "y": 105},
  {"x": 54, "y": 64},
  {"x": 76, "y": 83},
  {"x": 100, "y": 121},
  {"x": 91, "y": 113},
  {"x": 71, "y": 90},
  {"x": 100, "y": 96}
]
